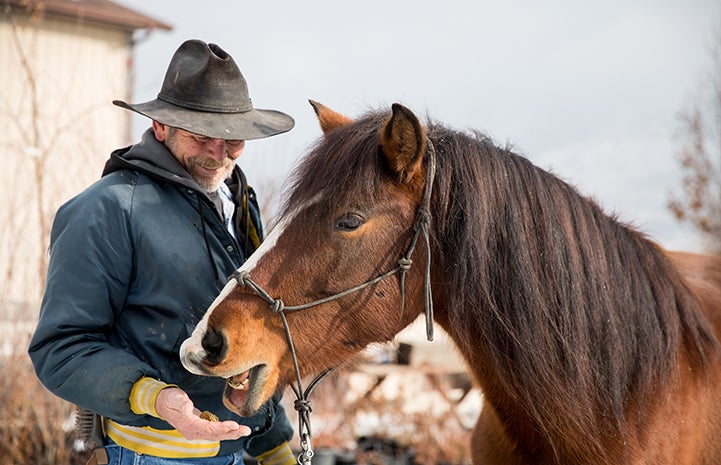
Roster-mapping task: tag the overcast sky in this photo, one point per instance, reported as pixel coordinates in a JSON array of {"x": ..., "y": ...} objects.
[{"x": 589, "y": 91}]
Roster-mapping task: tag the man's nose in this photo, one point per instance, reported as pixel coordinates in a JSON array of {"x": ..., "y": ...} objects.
[{"x": 217, "y": 148}]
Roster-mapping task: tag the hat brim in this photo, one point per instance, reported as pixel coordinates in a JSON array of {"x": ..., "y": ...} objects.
[{"x": 248, "y": 125}]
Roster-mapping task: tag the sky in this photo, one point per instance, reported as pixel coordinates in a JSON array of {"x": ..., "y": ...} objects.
[{"x": 590, "y": 91}]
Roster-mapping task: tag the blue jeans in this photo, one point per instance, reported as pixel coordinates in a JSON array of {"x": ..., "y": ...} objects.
[{"x": 121, "y": 456}]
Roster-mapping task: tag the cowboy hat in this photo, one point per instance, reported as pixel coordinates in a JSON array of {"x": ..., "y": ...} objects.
[{"x": 205, "y": 93}]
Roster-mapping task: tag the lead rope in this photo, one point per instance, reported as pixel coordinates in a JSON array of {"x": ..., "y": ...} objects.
[
  {"x": 421, "y": 227},
  {"x": 423, "y": 222},
  {"x": 302, "y": 403}
]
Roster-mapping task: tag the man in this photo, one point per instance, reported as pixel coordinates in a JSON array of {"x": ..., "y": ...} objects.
[{"x": 136, "y": 259}]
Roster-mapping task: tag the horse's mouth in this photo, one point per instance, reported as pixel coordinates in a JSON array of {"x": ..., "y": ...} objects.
[{"x": 243, "y": 392}]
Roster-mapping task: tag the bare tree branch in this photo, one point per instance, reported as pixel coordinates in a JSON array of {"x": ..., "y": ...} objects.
[{"x": 699, "y": 156}]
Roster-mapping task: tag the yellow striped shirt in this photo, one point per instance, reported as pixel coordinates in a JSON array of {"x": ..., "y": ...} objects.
[
  {"x": 170, "y": 443},
  {"x": 152, "y": 441},
  {"x": 161, "y": 443},
  {"x": 281, "y": 455}
]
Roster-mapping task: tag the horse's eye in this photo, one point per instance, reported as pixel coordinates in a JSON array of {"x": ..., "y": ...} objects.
[{"x": 348, "y": 222}]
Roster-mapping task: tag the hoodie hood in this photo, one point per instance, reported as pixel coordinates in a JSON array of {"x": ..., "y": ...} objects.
[{"x": 151, "y": 157}]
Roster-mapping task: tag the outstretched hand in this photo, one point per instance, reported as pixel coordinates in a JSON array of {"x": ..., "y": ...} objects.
[{"x": 174, "y": 406}]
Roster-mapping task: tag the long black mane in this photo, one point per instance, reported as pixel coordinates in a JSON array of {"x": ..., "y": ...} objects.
[{"x": 579, "y": 315}]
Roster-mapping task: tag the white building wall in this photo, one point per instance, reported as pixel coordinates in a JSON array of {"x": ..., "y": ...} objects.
[{"x": 57, "y": 127}]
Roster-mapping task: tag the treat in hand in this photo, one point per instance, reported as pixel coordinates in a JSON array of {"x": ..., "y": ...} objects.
[{"x": 209, "y": 416}]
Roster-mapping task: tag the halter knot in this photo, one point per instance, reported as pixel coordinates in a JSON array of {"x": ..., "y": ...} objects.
[
  {"x": 277, "y": 306},
  {"x": 243, "y": 277},
  {"x": 303, "y": 406},
  {"x": 423, "y": 217},
  {"x": 405, "y": 264}
]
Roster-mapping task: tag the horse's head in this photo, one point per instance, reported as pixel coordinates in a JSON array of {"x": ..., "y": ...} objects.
[{"x": 348, "y": 219}]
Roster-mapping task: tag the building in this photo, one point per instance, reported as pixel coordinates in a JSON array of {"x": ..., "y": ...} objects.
[{"x": 62, "y": 62}]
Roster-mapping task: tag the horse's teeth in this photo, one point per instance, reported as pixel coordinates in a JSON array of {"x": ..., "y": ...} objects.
[{"x": 242, "y": 385}]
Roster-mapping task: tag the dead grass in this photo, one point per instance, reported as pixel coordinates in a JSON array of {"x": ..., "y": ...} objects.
[{"x": 36, "y": 427}]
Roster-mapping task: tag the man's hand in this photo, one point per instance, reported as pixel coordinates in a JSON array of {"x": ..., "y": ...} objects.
[{"x": 174, "y": 406}]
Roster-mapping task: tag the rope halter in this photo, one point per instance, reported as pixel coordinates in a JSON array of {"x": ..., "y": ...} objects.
[{"x": 421, "y": 228}]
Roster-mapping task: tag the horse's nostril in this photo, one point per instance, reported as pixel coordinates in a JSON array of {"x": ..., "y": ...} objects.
[{"x": 215, "y": 347}]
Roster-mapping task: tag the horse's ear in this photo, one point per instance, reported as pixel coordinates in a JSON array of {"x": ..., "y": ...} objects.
[
  {"x": 403, "y": 142},
  {"x": 328, "y": 118}
]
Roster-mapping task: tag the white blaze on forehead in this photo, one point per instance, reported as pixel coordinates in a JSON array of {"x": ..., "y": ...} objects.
[
  {"x": 269, "y": 242},
  {"x": 193, "y": 343}
]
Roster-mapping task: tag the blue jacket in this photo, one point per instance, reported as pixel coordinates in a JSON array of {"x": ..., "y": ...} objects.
[{"x": 135, "y": 260}]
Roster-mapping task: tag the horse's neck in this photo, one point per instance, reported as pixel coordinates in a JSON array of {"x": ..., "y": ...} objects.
[
  {"x": 507, "y": 412},
  {"x": 503, "y": 417}
]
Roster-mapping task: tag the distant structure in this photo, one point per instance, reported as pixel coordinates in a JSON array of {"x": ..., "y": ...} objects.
[{"x": 63, "y": 62}]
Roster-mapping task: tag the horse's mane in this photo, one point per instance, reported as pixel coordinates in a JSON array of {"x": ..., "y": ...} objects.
[{"x": 581, "y": 315}]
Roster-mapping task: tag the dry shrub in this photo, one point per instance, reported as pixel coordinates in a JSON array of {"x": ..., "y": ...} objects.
[
  {"x": 340, "y": 418},
  {"x": 434, "y": 435},
  {"x": 36, "y": 427}
]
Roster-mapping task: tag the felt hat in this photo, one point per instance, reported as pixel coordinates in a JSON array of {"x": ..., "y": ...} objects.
[{"x": 205, "y": 93}]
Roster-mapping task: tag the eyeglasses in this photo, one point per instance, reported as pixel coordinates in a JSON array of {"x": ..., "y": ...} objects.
[{"x": 201, "y": 139}]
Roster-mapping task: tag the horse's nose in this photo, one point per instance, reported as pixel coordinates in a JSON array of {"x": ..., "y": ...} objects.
[{"x": 214, "y": 345}]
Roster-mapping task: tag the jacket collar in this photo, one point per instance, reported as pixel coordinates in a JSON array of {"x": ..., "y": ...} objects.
[{"x": 151, "y": 157}]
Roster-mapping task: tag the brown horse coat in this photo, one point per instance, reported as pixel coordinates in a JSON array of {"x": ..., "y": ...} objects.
[{"x": 591, "y": 344}]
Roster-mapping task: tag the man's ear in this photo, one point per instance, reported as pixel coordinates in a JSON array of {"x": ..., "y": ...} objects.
[{"x": 160, "y": 130}]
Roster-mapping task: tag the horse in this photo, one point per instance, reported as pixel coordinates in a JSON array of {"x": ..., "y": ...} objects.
[{"x": 590, "y": 343}]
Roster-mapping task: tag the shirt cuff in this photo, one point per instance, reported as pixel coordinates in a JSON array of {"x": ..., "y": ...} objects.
[
  {"x": 144, "y": 394},
  {"x": 281, "y": 455}
]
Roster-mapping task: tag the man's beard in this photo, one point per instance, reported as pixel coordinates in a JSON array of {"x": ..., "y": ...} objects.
[{"x": 209, "y": 183}]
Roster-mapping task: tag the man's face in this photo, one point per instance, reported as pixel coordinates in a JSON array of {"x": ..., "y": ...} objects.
[{"x": 209, "y": 161}]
